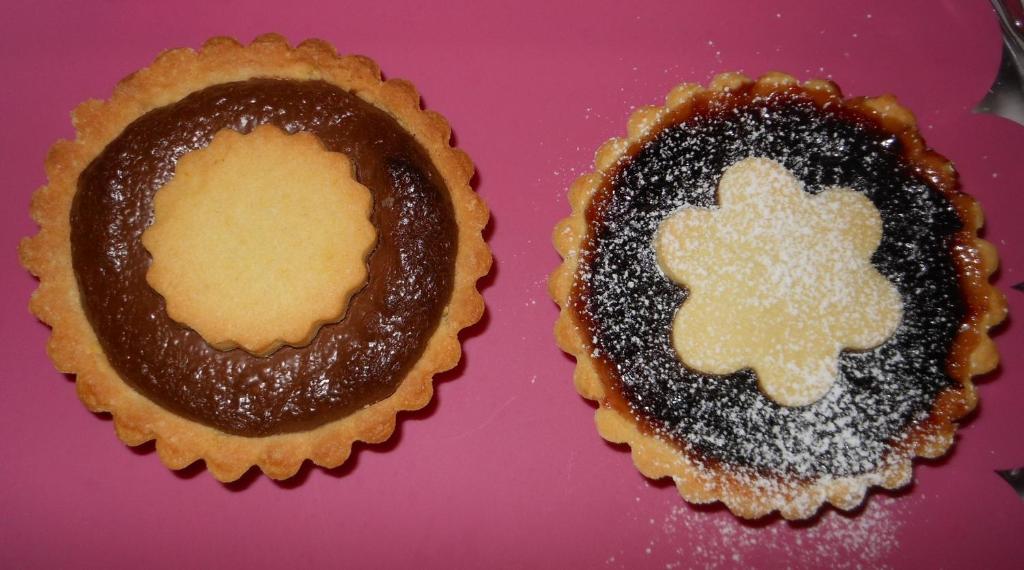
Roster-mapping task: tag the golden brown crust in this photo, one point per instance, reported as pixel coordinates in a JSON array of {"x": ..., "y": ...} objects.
[
  {"x": 73, "y": 346},
  {"x": 746, "y": 494}
]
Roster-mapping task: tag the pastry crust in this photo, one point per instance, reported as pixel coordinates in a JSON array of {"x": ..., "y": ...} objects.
[
  {"x": 746, "y": 493},
  {"x": 73, "y": 345}
]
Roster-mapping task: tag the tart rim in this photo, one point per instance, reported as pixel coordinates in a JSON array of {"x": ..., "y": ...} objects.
[
  {"x": 701, "y": 481},
  {"x": 73, "y": 346}
]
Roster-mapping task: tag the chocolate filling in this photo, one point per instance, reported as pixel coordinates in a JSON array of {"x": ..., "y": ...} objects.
[
  {"x": 628, "y": 305},
  {"x": 348, "y": 365}
]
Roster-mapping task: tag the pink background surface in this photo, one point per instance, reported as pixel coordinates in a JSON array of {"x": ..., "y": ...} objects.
[{"x": 504, "y": 468}]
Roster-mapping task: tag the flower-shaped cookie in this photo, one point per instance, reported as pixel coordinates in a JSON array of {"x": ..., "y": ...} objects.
[{"x": 779, "y": 281}]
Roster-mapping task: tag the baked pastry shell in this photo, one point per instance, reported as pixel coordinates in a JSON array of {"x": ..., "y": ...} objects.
[
  {"x": 745, "y": 493},
  {"x": 74, "y": 347}
]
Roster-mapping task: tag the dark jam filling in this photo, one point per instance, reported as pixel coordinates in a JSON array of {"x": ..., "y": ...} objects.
[
  {"x": 349, "y": 364},
  {"x": 629, "y": 305}
]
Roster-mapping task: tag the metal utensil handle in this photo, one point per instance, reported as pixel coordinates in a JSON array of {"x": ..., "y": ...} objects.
[{"x": 1011, "y": 19}]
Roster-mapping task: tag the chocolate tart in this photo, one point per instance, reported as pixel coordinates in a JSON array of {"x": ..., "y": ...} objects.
[
  {"x": 637, "y": 289},
  {"x": 129, "y": 267}
]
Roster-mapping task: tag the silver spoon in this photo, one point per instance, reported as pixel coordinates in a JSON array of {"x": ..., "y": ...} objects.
[{"x": 1006, "y": 96}]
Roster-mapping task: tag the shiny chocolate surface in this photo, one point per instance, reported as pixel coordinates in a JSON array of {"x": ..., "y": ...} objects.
[{"x": 349, "y": 364}]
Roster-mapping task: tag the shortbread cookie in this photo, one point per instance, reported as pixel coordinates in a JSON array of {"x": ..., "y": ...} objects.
[
  {"x": 770, "y": 256},
  {"x": 777, "y": 295},
  {"x": 283, "y": 200},
  {"x": 267, "y": 220}
]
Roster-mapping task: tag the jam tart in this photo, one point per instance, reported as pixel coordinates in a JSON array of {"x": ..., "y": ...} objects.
[
  {"x": 257, "y": 255},
  {"x": 776, "y": 295}
]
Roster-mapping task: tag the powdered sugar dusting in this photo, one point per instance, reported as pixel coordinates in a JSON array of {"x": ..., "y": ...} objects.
[
  {"x": 685, "y": 537},
  {"x": 836, "y": 541},
  {"x": 773, "y": 261},
  {"x": 878, "y": 393}
]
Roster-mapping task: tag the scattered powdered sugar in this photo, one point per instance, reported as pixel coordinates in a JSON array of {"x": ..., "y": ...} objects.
[
  {"x": 687, "y": 537},
  {"x": 631, "y": 303},
  {"x": 836, "y": 541}
]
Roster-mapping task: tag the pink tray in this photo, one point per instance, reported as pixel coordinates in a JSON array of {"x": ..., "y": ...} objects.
[{"x": 504, "y": 469}]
